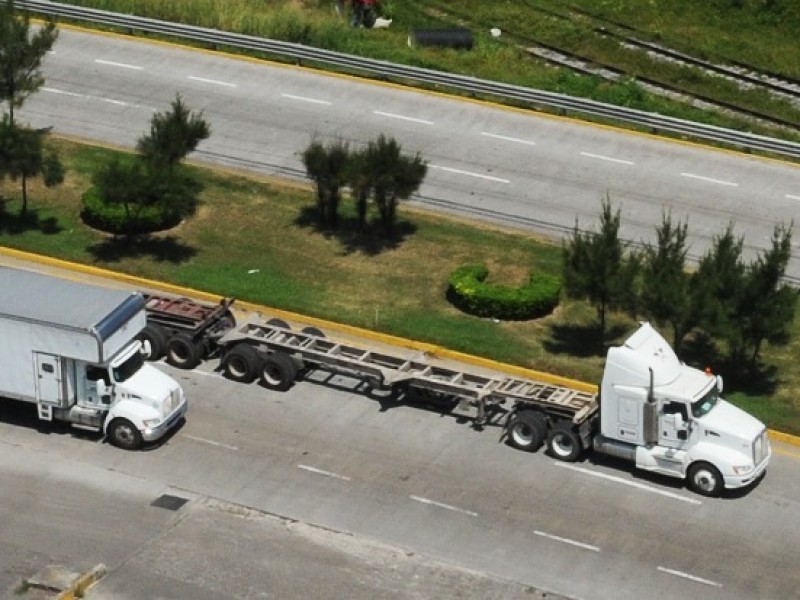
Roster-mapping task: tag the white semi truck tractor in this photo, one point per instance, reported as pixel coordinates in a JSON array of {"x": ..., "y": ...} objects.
[
  {"x": 71, "y": 349},
  {"x": 669, "y": 418}
]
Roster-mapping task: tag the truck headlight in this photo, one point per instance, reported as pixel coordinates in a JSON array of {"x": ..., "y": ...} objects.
[
  {"x": 743, "y": 470},
  {"x": 153, "y": 422}
]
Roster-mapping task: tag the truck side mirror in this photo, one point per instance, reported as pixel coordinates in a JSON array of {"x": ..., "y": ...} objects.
[
  {"x": 147, "y": 349},
  {"x": 102, "y": 390}
]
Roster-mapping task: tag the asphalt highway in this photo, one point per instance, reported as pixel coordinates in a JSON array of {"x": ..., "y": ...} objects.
[{"x": 507, "y": 166}]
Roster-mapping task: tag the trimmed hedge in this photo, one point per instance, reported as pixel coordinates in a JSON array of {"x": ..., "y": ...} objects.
[
  {"x": 111, "y": 218},
  {"x": 468, "y": 291}
]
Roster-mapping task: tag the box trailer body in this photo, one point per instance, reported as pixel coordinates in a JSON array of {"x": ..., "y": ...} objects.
[{"x": 71, "y": 349}]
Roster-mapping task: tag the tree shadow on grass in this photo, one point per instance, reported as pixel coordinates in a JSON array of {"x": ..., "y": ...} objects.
[
  {"x": 15, "y": 223},
  {"x": 161, "y": 249},
  {"x": 371, "y": 241},
  {"x": 581, "y": 340},
  {"x": 758, "y": 379}
]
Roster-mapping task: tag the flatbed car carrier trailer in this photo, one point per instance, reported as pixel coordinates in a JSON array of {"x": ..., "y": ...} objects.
[{"x": 272, "y": 351}]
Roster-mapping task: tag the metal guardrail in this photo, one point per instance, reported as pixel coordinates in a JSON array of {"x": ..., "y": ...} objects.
[{"x": 386, "y": 70}]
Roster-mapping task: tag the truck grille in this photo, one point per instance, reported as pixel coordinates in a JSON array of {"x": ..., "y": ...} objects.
[{"x": 760, "y": 448}]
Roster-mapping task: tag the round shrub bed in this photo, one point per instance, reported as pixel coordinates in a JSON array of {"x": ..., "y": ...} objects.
[
  {"x": 111, "y": 218},
  {"x": 468, "y": 291}
]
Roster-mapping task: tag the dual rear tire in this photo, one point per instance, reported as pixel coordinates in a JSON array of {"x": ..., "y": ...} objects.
[
  {"x": 528, "y": 430},
  {"x": 243, "y": 364}
]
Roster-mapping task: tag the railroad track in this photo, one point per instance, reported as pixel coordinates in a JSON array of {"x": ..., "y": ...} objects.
[{"x": 742, "y": 75}]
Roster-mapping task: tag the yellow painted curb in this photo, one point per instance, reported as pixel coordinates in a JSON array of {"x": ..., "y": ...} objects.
[
  {"x": 786, "y": 438},
  {"x": 83, "y": 583}
]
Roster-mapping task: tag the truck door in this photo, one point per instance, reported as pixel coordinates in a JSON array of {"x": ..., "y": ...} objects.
[
  {"x": 48, "y": 379},
  {"x": 673, "y": 424}
]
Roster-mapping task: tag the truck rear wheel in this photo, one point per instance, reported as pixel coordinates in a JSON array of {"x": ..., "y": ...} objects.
[
  {"x": 313, "y": 331},
  {"x": 279, "y": 372},
  {"x": 527, "y": 430},
  {"x": 705, "y": 479},
  {"x": 156, "y": 337},
  {"x": 242, "y": 363},
  {"x": 124, "y": 434},
  {"x": 183, "y": 352},
  {"x": 563, "y": 443}
]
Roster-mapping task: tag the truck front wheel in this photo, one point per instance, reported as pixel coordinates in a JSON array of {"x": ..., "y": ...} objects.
[
  {"x": 124, "y": 434},
  {"x": 705, "y": 479},
  {"x": 526, "y": 430},
  {"x": 563, "y": 443}
]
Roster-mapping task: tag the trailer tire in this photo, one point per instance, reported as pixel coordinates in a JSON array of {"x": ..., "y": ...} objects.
[
  {"x": 564, "y": 443},
  {"x": 183, "y": 352},
  {"x": 156, "y": 337},
  {"x": 280, "y": 323},
  {"x": 123, "y": 434},
  {"x": 705, "y": 479},
  {"x": 279, "y": 372},
  {"x": 242, "y": 363},
  {"x": 527, "y": 430},
  {"x": 313, "y": 331}
]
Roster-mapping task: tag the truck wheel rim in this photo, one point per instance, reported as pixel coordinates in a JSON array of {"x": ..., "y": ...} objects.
[
  {"x": 124, "y": 435},
  {"x": 272, "y": 375},
  {"x": 562, "y": 445},
  {"x": 522, "y": 434},
  {"x": 236, "y": 367},
  {"x": 705, "y": 480}
]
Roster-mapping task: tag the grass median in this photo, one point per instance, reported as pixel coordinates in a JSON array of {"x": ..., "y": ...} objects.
[{"x": 255, "y": 239}]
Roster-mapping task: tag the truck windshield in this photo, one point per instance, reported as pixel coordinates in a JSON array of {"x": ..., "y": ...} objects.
[
  {"x": 128, "y": 368},
  {"x": 706, "y": 403}
]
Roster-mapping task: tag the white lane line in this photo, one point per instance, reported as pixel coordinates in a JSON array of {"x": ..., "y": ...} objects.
[
  {"x": 110, "y": 63},
  {"x": 710, "y": 179},
  {"x": 321, "y": 472},
  {"x": 212, "y": 81},
  {"x": 445, "y": 506},
  {"x": 87, "y": 96},
  {"x": 608, "y": 158},
  {"x": 508, "y": 138},
  {"x": 210, "y": 442},
  {"x": 690, "y": 577},
  {"x": 206, "y": 373},
  {"x": 557, "y": 538},
  {"x": 304, "y": 99},
  {"x": 792, "y": 197},
  {"x": 402, "y": 117},
  {"x": 469, "y": 173},
  {"x": 635, "y": 484}
]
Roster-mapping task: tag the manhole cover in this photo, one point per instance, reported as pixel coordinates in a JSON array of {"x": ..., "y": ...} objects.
[{"x": 169, "y": 502}]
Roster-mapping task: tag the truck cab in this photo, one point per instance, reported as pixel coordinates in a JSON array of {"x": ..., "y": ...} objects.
[{"x": 670, "y": 418}]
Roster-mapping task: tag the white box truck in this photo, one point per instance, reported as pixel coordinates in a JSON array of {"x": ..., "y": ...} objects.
[{"x": 71, "y": 349}]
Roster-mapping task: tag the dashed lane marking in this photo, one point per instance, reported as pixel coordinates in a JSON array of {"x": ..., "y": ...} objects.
[
  {"x": 402, "y": 117},
  {"x": 710, "y": 179},
  {"x": 694, "y": 578},
  {"x": 469, "y": 174},
  {"x": 620, "y": 161},
  {"x": 321, "y": 472},
  {"x": 445, "y": 506},
  {"x": 635, "y": 484},
  {"x": 305, "y": 99},
  {"x": 211, "y": 442},
  {"x": 111, "y": 63},
  {"x": 508, "y": 138},
  {"x": 212, "y": 81},
  {"x": 564, "y": 540},
  {"x": 87, "y": 96}
]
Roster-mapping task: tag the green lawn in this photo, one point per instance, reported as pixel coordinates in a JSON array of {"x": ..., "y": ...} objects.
[{"x": 254, "y": 239}]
